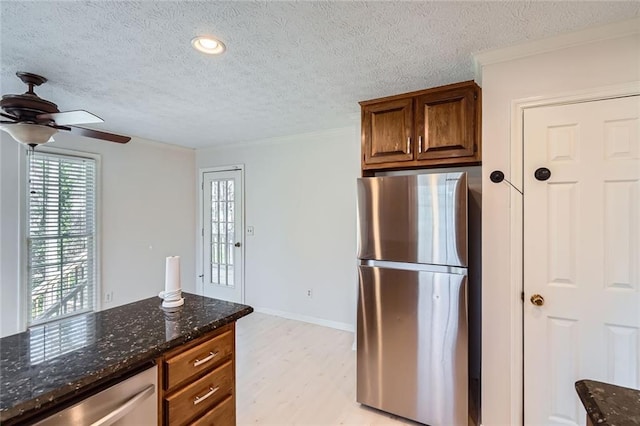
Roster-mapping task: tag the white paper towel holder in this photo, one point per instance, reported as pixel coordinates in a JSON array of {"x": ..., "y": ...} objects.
[{"x": 173, "y": 303}]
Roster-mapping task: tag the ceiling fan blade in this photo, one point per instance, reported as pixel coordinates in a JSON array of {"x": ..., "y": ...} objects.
[
  {"x": 69, "y": 118},
  {"x": 96, "y": 134}
]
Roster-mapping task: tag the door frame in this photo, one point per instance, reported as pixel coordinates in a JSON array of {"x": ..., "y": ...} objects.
[
  {"x": 200, "y": 228},
  {"x": 518, "y": 106}
]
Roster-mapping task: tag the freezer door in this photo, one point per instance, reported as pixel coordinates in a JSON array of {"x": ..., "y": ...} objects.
[
  {"x": 412, "y": 344},
  {"x": 415, "y": 219}
]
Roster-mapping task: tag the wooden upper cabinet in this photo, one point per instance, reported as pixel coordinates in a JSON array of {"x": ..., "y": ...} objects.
[
  {"x": 443, "y": 130},
  {"x": 387, "y": 129},
  {"x": 445, "y": 124}
]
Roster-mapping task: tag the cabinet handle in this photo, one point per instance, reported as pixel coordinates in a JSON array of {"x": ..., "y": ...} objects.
[
  {"x": 409, "y": 145},
  {"x": 199, "y": 362},
  {"x": 419, "y": 144},
  {"x": 199, "y": 399}
]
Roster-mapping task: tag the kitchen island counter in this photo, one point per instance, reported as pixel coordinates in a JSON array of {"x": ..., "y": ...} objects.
[
  {"x": 54, "y": 364},
  {"x": 608, "y": 404}
]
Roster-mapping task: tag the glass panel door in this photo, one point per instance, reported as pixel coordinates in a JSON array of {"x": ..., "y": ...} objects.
[{"x": 222, "y": 235}]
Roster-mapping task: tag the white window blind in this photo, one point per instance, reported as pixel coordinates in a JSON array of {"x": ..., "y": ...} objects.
[{"x": 61, "y": 236}]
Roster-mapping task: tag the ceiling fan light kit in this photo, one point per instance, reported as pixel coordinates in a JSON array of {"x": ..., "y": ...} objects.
[
  {"x": 209, "y": 45},
  {"x": 33, "y": 120},
  {"x": 29, "y": 134}
]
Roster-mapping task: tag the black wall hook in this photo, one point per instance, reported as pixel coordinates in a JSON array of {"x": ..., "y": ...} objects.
[{"x": 497, "y": 176}]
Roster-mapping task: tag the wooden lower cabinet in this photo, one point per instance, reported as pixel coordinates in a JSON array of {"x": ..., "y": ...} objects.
[{"x": 198, "y": 381}]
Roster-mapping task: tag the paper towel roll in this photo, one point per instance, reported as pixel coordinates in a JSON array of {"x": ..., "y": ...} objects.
[
  {"x": 172, "y": 275},
  {"x": 172, "y": 293}
]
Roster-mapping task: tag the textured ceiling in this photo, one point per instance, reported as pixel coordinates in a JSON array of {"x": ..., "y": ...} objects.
[{"x": 290, "y": 67}]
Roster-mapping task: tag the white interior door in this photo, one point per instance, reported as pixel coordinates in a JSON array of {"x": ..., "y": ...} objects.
[
  {"x": 581, "y": 254},
  {"x": 222, "y": 235}
]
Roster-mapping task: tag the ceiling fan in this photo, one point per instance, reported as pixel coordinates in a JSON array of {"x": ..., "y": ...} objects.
[{"x": 35, "y": 120}]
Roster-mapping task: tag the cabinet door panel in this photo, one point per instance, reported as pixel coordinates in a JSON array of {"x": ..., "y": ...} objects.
[
  {"x": 446, "y": 124},
  {"x": 387, "y": 130}
]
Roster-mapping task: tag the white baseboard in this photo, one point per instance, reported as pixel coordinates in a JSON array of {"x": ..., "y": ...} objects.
[{"x": 305, "y": 318}]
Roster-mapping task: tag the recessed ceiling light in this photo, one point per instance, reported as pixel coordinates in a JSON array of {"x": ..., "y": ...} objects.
[{"x": 208, "y": 45}]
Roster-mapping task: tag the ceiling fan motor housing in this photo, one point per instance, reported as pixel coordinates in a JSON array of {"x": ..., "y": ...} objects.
[{"x": 27, "y": 106}]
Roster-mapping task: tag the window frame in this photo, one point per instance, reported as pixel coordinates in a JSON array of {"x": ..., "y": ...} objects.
[{"x": 25, "y": 293}]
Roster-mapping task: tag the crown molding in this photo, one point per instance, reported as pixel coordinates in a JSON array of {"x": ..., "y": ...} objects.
[{"x": 563, "y": 41}]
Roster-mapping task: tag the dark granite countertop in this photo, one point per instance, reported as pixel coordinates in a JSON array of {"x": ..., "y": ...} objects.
[
  {"x": 609, "y": 405},
  {"x": 52, "y": 363}
]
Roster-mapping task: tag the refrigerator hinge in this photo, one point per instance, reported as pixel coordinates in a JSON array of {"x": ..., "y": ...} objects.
[{"x": 522, "y": 296}]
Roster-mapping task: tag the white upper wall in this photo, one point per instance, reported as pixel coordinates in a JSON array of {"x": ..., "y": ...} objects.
[
  {"x": 300, "y": 196},
  {"x": 147, "y": 211},
  {"x": 581, "y": 68}
]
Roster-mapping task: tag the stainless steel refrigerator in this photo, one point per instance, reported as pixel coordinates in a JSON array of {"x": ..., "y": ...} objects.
[{"x": 412, "y": 324}]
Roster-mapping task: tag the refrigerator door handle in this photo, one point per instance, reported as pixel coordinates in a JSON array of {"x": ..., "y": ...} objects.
[{"x": 445, "y": 269}]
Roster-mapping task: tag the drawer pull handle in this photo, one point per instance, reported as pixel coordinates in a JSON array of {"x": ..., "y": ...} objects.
[
  {"x": 199, "y": 362},
  {"x": 199, "y": 399}
]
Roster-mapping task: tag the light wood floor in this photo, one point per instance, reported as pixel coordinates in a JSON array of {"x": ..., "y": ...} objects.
[{"x": 294, "y": 373}]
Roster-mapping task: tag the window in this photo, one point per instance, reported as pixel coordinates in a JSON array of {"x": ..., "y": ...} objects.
[
  {"x": 61, "y": 236},
  {"x": 222, "y": 235}
]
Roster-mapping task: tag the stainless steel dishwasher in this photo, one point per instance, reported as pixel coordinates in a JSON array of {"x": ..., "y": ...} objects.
[{"x": 132, "y": 402}]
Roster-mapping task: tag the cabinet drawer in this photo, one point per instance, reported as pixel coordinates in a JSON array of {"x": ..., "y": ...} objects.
[
  {"x": 198, "y": 397},
  {"x": 191, "y": 362},
  {"x": 224, "y": 414}
]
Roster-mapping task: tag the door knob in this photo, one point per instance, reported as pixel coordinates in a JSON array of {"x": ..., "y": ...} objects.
[
  {"x": 537, "y": 300},
  {"x": 542, "y": 173},
  {"x": 237, "y": 244}
]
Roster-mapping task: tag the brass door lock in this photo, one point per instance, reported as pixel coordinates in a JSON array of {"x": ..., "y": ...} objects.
[{"x": 537, "y": 300}]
